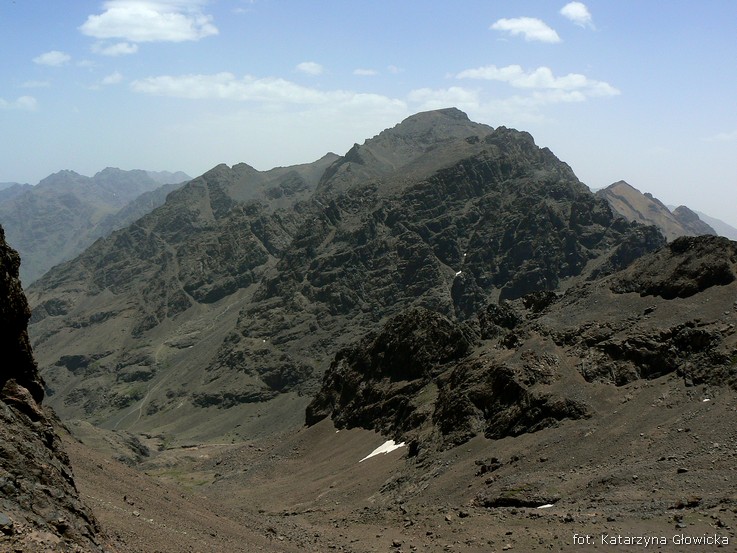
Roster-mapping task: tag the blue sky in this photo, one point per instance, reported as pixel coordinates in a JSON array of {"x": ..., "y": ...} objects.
[{"x": 640, "y": 90}]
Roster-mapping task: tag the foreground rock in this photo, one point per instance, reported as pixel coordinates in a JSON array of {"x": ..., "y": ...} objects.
[{"x": 40, "y": 509}]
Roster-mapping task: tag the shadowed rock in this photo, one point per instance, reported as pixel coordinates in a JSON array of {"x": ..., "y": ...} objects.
[{"x": 41, "y": 507}]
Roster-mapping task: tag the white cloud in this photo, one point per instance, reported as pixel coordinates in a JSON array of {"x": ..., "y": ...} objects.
[
  {"x": 113, "y": 78},
  {"x": 571, "y": 87},
  {"x": 310, "y": 68},
  {"x": 455, "y": 96},
  {"x": 53, "y": 58},
  {"x": 722, "y": 137},
  {"x": 578, "y": 13},
  {"x": 268, "y": 90},
  {"x": 25, "y": 103},
  {"x": 365, "y": 72},
  {"x": 150, "y": 21},
  {"x": 117, "y": 49},
  {"x": 394, "y": 70},
  {"x": 529, "y": 27}
]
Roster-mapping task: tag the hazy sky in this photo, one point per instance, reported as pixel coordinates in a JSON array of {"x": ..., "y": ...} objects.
[{"x": 640, "y": 90}]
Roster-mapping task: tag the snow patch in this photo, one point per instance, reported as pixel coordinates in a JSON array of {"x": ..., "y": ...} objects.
[
  {"x": 458, "y": 273},
  {"x": 546, "y": 506},
  {"x": 385, "y": 448}
]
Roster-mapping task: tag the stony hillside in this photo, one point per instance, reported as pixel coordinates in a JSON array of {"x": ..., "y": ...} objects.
[
  {"x": 40, "y": 508},
  {"x": 523, "y": 365},
  {"x": 606, "y": 410},
  {"x": 243, "y": 285},
  {"x": 633, "y": 205},
  {"x": 65, "y": 212}
]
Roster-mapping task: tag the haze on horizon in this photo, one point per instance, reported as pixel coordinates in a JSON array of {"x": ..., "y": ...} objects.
[{"x": 635, "y": 91}]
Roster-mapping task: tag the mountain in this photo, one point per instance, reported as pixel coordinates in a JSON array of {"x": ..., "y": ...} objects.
[
  {"x": 721, "y": 228},
  {"x": 10, "y": 190},
  {"x": 238, "y": 291},
  {"x": 56, "y": 219},
  {"x": 41, "y": 507},
  {"x": 606, "y": 408},
  {"x": 545, "y": 368},
  {"x": 633, "y": 205}
]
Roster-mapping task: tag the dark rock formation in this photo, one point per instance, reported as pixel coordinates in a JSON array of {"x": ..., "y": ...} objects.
[
  {"x": 417, "y": 373},
  {"x": 687, "y": 266},
  {"x": 39, "y": 503},
  {"x": 538, "y": 355},
  {"x": 376, "y": 383}
]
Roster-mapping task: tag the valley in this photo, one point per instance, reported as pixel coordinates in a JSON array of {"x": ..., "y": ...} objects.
[{"x": 554, "y": 368}]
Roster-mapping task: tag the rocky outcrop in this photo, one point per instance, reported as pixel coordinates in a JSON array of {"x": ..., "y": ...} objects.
[
  {"x": 418, "y": 375},
  {"x": 40, "y": 508},
  {"x": 688, "y": 265},
  {"x": 376, "y": 383},
  {"x": 527, "y": 364}
]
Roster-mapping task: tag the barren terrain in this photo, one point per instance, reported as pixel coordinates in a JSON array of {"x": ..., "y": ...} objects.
[{"x": 659, "y": 460}]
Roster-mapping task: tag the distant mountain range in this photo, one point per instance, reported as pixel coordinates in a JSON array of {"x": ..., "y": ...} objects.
[{"x": 65, "y": 212}]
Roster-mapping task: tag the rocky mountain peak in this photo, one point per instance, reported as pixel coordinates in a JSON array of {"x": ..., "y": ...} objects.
[
  {"x": 435, "y": 124},
  {"x": 65, "y": 177},
  {"x": 437, "y": 213},
  {"x": 420, "y": 144}
]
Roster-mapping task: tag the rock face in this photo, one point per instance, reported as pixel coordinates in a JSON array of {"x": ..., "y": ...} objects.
[
  {"x": 688, "y": 265},
  {"x": 418, "y": 377},
  {"x": 527, "y": 364},
  {"x": 40, "y": 509},
  {"x": 65, "y": 212},
  {"x": 633, "y": 205},
  {"x": 244, "y": 284}
]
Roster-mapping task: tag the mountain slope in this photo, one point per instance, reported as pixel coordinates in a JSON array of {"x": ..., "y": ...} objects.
[
  {"x": 241, "y": 287},
  {"x": 722, "y": 228},
  {"x": 528, "y": 364},
  {"x": 633, "y": 205},
  {"x": 56, "y": 219}
]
